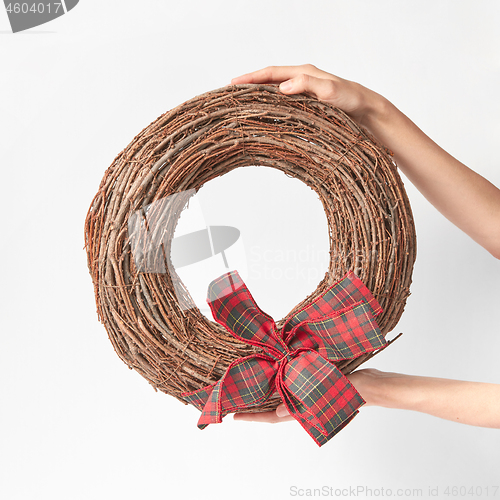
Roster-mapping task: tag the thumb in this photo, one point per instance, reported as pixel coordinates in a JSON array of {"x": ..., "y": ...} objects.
[{"x": 281, "y": 411}]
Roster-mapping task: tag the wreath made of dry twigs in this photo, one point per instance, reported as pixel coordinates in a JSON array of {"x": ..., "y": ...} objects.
[{"x": 367, "y": 209}]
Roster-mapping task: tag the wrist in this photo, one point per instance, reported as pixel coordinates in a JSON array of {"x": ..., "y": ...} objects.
[
  {"x": 377, "y": 112},
  {"x": 388, "y": 390},
  {"x": 367, "y": 383}
]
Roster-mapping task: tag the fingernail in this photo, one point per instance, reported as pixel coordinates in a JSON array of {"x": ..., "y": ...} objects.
[
  {"x": 286, "y": 86},
  {"x": 281, "y": 411}
]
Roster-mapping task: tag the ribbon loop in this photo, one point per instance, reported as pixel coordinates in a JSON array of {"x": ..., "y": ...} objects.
[
  {"x": 234, "y": 307},
  {"x": 298, "y": 361},
  {"x": 342, "y": 335}
]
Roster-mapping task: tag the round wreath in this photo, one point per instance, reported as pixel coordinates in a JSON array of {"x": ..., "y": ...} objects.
[{"x": 369, "y": 218}]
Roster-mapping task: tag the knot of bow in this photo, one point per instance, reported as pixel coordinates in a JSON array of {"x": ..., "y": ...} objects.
[{"x": 297, "y": 361}]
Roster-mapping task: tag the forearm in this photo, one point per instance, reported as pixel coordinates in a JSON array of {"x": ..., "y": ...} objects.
[
  {"x": 464, "y": 197},
  {"x": 471, "y": 403},
  {"x": 468, "y": 200}
]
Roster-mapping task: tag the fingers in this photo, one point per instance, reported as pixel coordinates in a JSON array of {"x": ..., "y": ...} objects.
[
  {"x": 278, "y": 74},
  {"x": 295, "y": 80},
  {"x": 357, "y": 101},
  {"x": 323, "y": 89},
  {"x": 271, "y": 417}
]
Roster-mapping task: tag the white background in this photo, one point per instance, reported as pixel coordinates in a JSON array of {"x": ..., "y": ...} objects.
[{"x": 75, "y": 422}]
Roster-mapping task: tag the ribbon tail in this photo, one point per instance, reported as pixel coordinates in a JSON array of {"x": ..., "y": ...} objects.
[
  {"x": 199, "y": 397},
  {"x": 247, "y": 382},
  {"x": 318, "y": 395},
  {"x": 320, "y": 438},
  {"x": 319, "y": 433}
]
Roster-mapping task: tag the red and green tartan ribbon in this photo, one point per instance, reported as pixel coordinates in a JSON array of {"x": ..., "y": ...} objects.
[{"x": 298, "y": 360}]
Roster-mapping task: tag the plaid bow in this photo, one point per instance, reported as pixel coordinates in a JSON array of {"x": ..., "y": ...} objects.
[{"x": 298, "y": 360}]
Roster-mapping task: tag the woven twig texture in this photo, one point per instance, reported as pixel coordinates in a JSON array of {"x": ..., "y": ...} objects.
[{"x": 369, "y": 218}]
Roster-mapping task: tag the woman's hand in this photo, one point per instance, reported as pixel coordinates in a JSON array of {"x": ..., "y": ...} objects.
[
  {"x": 354, "y": 99},
  {"x": 270, "y": 417},
  {"x": 360, "y": 379},
  {"x": 472, "y": 403}
]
